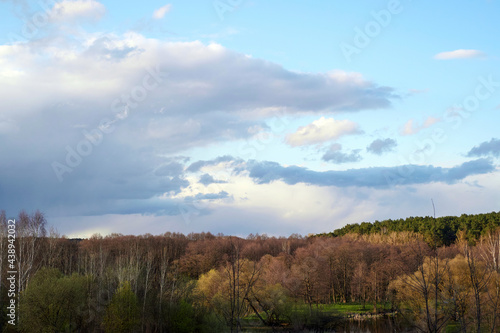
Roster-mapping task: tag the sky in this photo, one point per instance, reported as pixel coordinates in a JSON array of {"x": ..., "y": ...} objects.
[{"x": 247, "y": 116}]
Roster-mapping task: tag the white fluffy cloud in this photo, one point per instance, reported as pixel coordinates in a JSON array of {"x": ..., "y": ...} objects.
[
  {"x": 70, "y": 10},
  {"x": 322, "y": 130},
  {"x": 459, "y": 54},
  {"x": 160, "y": 12}
]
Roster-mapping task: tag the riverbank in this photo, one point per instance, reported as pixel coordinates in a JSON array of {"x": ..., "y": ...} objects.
[{"x": 340, "y": 317}]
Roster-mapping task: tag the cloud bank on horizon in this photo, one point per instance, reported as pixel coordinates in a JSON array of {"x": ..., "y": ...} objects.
[{"x": 135, "y": 121}]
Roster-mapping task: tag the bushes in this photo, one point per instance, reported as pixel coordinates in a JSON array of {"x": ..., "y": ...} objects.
[
  {"x": 53, "y": 302},
  {"x": 122, "y": 314}
]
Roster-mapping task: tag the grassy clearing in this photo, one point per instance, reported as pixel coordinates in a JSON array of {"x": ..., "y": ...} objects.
[
  {"x": 340, "y": 309},
  {"x": 344, "y": 308}
]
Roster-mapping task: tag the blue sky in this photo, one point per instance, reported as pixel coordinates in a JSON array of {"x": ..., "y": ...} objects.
[{"x": 243, "y": 117}]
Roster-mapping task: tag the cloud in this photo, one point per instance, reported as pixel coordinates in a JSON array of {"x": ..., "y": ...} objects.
[
  {"x": 322, "y": 130},
  {"x": 208, "y": 196},
  {"x": 207, "y": 179},
  {"x": 160, "y": 12},
  {"x": 410, "y": 128},
  {"x": 169, "y": 97},
  {"x": 376, "y": 177},
  {"x": 196, "y": 166},
  {"x": 487, "y": 148},
  {"x": 335, "y": 155},
  {"x": 8, "y": 126},
  {"x": 170, "y": 169},
  {"x": 106, "y": 182},
  {"x": 460, "y": 54},
  {"x": 280, "y": 209},
  {"x": 197, "y": 81},
  {"x": 68, "y": 10},
  {"x": 379, "y": 146},
  {"x": 108, "y": 48}
]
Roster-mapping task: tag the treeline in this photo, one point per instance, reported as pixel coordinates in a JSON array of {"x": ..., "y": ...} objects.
[
  {"x": 441, "y": 230},
  {"x": 120, "y": 283},
  {"x": 215, "y": 283}
]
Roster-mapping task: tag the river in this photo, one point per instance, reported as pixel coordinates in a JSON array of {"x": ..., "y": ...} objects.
[{"x": 376, "y": 325}]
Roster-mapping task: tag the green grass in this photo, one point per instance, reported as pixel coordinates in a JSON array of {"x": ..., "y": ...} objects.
[
  {"x": 339, "y": 308},
  {"x": 301, "y": 310},
  {"x": 344, "y": 308},
  {"x": 452, "y": 327}
]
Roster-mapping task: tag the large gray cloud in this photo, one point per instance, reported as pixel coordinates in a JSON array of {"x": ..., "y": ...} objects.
[
  {"x": 376, "y": 177},
  {"x": 487, "y": 148},
  {"x": 158, "y": 98},
  {"x": 196, "y": 166},
  {"x": 227, "y": 81},
  {"x": 198, "y": 78},
  {"x": 336, "y": 155},
  {"x": 379, "y": 146},
  {"x": 208, "y": 196},
  {"x": 105, "y": 182},
  {"x": 170, "y": 169},
  {"x": 207, "y": 179}
]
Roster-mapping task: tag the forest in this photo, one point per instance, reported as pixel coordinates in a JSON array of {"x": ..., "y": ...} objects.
[
  {"x": 425, "y": 274},
  {"x": 443, "y": 229}
]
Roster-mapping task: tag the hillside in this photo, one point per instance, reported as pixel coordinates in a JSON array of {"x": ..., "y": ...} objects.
[{"x": 442, "y": 229}]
